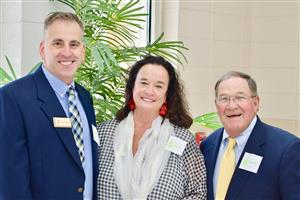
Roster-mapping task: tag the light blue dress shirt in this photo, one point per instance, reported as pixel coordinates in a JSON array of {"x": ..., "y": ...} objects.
[
  {"x": 60, "y": 89},
  {"x": 241, "y": 141}
]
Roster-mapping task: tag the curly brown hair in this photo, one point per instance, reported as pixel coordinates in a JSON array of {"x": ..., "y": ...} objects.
[{"x": 177, "y": 107}]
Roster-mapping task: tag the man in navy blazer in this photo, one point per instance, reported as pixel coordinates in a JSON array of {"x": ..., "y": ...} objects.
[
  {"x": 39, "y": 158},
  {"x": 267, "y": 159}
]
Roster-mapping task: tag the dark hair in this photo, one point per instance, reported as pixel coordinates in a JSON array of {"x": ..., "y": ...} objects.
[
  {"x": 176, "y": 104},
  {"x": 251, "y": 82},
  {"x": 64, "y": 16}
]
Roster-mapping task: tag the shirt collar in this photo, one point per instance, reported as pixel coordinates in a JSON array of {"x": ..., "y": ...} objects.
[
  {"x": 59, "y": 86},
  {"x": 242, "y": 138}
]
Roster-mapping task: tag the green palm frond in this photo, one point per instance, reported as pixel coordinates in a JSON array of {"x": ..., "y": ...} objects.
[
  {"x": 5, "y": 77},
  {"x": 11, "y": 68},
  {"x": 208, "y": 120}
]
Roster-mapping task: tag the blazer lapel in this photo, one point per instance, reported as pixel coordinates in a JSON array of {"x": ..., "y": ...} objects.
[
  {"x": 254, "y": 145},
  {"x": 211, "y": 157},
  {"x": 52, "y": 108}
]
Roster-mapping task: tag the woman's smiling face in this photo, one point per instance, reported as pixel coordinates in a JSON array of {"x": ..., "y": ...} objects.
[{"x": 150, "y": 88}]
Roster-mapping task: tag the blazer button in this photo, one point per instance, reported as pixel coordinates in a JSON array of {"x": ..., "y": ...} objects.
[{"x": 80, "y": 189}]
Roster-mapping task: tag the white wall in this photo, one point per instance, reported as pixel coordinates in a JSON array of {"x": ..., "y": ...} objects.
[
  {"x": 21, "y": 30},
  {"x": 10, "y": 33}
]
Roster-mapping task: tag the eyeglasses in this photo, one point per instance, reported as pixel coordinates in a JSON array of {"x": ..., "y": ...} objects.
[{"x": 238, "y": 99}]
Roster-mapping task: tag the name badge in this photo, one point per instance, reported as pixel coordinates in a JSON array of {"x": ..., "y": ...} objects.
[
  {"x": 176, "y": 145},
  {"x": 250, "y": 162},
  {"x": 95, "y": 134},
  {"x": 62, "y": 122}
]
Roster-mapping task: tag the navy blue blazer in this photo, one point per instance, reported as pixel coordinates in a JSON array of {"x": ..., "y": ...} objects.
[
  {"x": 37, "y": 160},
  {"x": 278, "y": 176}
]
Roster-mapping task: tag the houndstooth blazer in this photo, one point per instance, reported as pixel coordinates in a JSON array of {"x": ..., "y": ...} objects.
[{"x": 184, "y": 177}]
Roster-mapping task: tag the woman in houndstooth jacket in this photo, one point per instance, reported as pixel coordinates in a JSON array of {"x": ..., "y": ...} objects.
[{"x": 146, "y": 152}]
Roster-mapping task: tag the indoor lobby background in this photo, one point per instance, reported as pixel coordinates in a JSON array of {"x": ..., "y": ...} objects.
[{"x": 257, "y": 37}]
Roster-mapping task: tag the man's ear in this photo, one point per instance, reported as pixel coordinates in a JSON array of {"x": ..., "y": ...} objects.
[
  {"x": 42, "y": 49},
  {"x": 256, "y": 103}
]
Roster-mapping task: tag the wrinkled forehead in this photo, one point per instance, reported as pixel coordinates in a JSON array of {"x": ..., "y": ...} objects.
[{"x": 233, "y": 86}]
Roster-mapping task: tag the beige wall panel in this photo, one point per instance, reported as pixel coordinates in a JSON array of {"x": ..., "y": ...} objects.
[
  {"x": 258, "y": 38},
  {"x": 279, "y": 106},
  {"x": 298, "y": 120},
  {"x": 277, "y": 29},
  {"x": 194, "y": 24},
  {"x": 200, "y": 104},
  {"x": 276, "y": 81},
  {"x": 169, "y": 23},
  {"x": 196, "y": 5},
  {"x": 284, "y": 54},
  {"x": 233, "y": 7},
  {"x": 217, "y": 72},
  {"x": 169, "y": 4},
  {"x": 274, "y": 8},
  {"x": 230, "y": 54},
  {"x": 299, "y": 85},
  {"x": 196, "y": 80},
  {"x": 289, "y": 125},
  {"x": 199, "y": 51},
  {"x": 229, "y": 27}
]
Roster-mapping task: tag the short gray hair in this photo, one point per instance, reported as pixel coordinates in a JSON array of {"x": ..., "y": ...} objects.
[
  {"x": 63, "y": 16},
  {"x": 251, "y": 82}
]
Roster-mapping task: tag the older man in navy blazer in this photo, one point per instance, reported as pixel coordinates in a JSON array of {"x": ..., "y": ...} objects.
[
  {"x": 41, "y": 157},
  {"x": 266, "y": 164}
]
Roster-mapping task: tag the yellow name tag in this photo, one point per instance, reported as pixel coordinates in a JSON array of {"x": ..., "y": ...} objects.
[{"x": 62, "y": 122}]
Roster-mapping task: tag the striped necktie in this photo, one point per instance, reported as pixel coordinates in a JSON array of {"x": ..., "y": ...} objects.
[
  {"x": 76, "y": 123},
  {"x": 226, "y": 170}
]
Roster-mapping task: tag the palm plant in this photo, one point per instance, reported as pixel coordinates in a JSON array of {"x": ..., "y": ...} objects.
[
  {"x": 6, "y": 77},
  {"x": 111, "y": 27},
  {"x": 208, "y": 120}
]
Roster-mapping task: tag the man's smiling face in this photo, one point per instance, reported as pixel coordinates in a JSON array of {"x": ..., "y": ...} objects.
[
  {"x": 62, "y": 49},
  {"x": 236, "y": 105}
]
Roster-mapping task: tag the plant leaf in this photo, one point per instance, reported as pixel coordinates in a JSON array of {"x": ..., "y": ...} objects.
[
  {"x": 208, "y": 120},
  {"x": 11, "y": 68}
]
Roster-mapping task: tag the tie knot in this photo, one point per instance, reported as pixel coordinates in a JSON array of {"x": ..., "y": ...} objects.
[
  {"x": 71, "y": 91},
  {"x": 231, "y": 142}
]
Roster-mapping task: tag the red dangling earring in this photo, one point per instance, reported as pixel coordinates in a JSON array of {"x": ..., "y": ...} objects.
[
  {"x": 163, "y": 110},
  {"x": 131, "y": 104}
]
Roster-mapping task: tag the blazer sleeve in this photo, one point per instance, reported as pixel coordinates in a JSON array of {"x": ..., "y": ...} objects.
[
  {"x": 196, "y": 172},
  {"x": 290, "y": 171},
  {"x": 14, "y": 159}
]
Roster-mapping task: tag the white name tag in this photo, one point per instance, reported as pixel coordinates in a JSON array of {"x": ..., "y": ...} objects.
[
  {"x": 62, "y": 122},
  {"x": 250, "y": 162},
  {"x": 95, "y": 135},
  {"x": 176, "y": 145}
]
